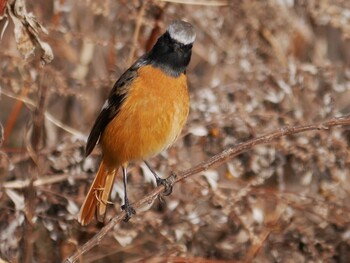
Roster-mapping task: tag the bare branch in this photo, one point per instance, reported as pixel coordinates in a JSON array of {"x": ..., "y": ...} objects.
[{"x": 214, "y": 161}]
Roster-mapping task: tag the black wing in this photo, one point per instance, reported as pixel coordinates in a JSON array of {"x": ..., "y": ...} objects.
[{"x": 112, "y": 105}]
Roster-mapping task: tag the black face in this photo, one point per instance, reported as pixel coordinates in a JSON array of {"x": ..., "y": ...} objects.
[{"x": 170, "y": 55}]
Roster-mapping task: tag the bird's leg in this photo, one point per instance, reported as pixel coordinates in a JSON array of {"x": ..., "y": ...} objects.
[
  {"x": 127, "y": 207},
  {"x": 160, "y": 181}
]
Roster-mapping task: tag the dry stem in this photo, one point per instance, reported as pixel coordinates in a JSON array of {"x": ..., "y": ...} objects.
[
  {"x": 29, "y": 192},
  {"x": 139, "y": 20}
]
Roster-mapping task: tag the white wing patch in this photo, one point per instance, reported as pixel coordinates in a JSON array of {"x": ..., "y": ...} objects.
[{"x": 105, "y": 105}]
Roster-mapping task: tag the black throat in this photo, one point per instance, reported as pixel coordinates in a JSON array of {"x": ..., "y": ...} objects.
[{"x": 170, "y": 56}]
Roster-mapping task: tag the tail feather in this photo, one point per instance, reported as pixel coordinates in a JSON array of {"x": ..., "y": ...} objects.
[
  {"x": 96, "y": 200},
  {"x": 102, "y": 204}
]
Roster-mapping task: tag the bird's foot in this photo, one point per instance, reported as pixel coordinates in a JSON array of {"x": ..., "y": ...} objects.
[
  {"x": 168, "y": 184},
  {"x": 129, "y": 211}
]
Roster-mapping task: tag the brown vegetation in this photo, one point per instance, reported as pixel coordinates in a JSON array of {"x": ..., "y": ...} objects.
[{"x": 270, "y": 86}]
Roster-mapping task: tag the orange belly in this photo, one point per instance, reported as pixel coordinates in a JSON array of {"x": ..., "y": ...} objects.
[{"x": 150, "y": 119}]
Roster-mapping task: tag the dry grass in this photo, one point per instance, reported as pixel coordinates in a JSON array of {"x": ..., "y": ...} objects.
[{"x": 257, "y": 66}]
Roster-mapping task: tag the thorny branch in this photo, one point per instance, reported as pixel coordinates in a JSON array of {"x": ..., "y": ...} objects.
[{"x": 214, "y": 161}]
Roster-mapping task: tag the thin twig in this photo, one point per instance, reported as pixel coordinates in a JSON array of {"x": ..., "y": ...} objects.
[
  {"x": 199, "y": 2},
  {"x": 31, "y": 105},
  {"x": 258, "y": 241},
  {"x": 13, "y": 116},
  {"x": 1, "y": 135},
  {"x": 38, "y": 119},
  {"x": 45, "y": 180},
  {"x": 138, "y": 25},
  {"x": 214, "y": 161}
]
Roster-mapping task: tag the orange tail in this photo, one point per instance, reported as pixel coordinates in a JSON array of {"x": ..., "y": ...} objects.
[{"x": 97, "y": 197}]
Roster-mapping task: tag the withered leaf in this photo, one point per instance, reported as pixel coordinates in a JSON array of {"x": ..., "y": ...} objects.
[{"x": 27, "y": 30}]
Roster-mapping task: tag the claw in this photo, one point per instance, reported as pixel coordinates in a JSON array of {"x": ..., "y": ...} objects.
[
  {"x": 129, "y": 211},
  {"x": 167, "y": 185}
]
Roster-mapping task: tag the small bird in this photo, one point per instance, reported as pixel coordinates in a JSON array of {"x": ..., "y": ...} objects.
[{"x": 143, "y": 115}]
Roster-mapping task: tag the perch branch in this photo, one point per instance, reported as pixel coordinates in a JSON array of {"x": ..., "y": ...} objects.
[{"x": 214, "y": 161}]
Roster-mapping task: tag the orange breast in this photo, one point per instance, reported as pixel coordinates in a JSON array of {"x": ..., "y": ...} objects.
[{"x": 150, "y": 119}]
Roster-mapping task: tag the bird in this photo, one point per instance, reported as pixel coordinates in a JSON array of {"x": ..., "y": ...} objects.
[{"x": 143, "y": 115}]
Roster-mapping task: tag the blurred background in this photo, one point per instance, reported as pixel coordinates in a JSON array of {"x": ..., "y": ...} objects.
[{"x": 257, "y": 66}]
